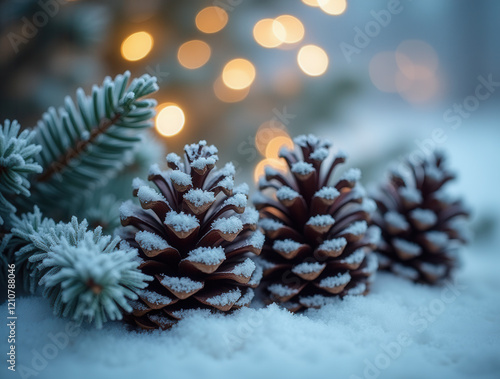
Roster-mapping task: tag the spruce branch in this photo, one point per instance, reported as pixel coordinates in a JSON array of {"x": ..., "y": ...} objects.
[
  {"x": 17, "y": 161},
  {"x": 84, "y": 143}
]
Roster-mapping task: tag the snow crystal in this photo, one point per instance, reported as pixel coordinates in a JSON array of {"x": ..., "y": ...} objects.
[
  {"x": 256, "y": 276},
  {"x": 127, "y": 209},
  {"x": 424, "y": 216},
  {"x": 404, "y": 271},
  {"x": 407, "y": 246},
  {"x": 227, "y": 183},
  {"x": 437, "y": 238},
  {"x": 261, "y": 262},
  {"x": 225, "y": 298},
  {"x": 150, "y": 241},
  {"x": 270, "y": 224},
  {"x": 351, "y": 175},
  {"x": 432, "y": 269},
  {"x": 250, "y": 216},
  {"x": 321, "y": 220},
  {"x": 286, "y": 193},
  {"x": 410, "y": 194},
  {"x": 328, "y": 193},
  {"x": 358, "y": 290},
  {"x": 161, "y": 319},
  {"x": 181, "y": 222},
  {"x": 243, "y": 188},
  {"x": 246, "y": 268},
  {"x": 371, "y": 264},
  {"x": 182, "y": 284},
  {"x": 333, "y": 244},
  {"x": 257, "y": 240},
  {"x": 305, "y": 139},
  {"x": 199, "y": 197},
  {"x": 368, "y": 206},
  {"x": 228, "y": 225},
  {"x": 238, "y": 200},
  {"x": 317, "y": 301},
  {"x": 286, "y": 246},
  {"x": 356, "y": 257},
  {"x": 302, "y": 168},
  {"x": 180, "y": 178},
  {"x": 308, "y": 268},
  {"x": 246, "y": 298},
  {"x": 138, "y": 182},
  {"x": 396, "y": 220},
  {"x": 154, "y": 169},
  {"x": 356, "y": 228},
  {"x": 174, "y": 158},
  {"x": 228, "y": 170},
  {"x": 335, "y": 281},
  {"x": 154, "y": 297},
  {"x": 183, "y": 313},
  {"x": 207, "y": 255},
  {"x": 281, "y": 290},
  {"x": 138, "y": 306},
  {"x": 319, "y": 154},
  {"x": 202, "y": 162},
  {"x": 147, "y": 194}
]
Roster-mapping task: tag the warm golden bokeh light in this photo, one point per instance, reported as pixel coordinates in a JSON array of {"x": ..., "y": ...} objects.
[
  {"x": 278, "y": 164},
  {"x": 229, "y": 95},
  {"x": 313, "y": 60},
  {"x": 238, "y": 74},
  {"x": 294, "y": 30},
  {"x": 416, "y": 58},
  {"x": 170, "y": 119},
  {"x": 269, "y": 33},
  {"x": 136, "y": 46},
  {"x": 311, "y": 3},
  {"x": 193, "y": 54},
  {"x": 211, "y": 19},
  {"x": 274, "y": 146},
  {"x": 267, "y": 132},
  {"x": 383, "y": 69},
  {"x": 333, "y": 7}
]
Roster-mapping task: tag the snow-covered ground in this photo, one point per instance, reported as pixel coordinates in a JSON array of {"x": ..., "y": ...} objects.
[{"x": 400, "y": 330}]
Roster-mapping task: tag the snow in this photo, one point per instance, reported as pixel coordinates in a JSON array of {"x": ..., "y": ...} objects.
[
  {"x": 286, "y": 193},
  {"x": 225, "y": 298},
  {"x": 182, "y": 284},
  {"x": 433, "y": 269},
  {"x": 207, "y": 255},
  {"x": 286, "y": 246},
  {"x": 316, "y": 300},
  {"x": 358, "y": 290},
  {"x": 202, "y": 162},
  {"x": 411, "y": 194},
  {"x": 227, "y": 183},
  {"x": 333, "y": 244},
  {"x": 154, "y": 169},
  {"x": 319, "y": 154},
  {"x": 270, "y": 224},
  {"x": 321, "y": 220},
  {"x": 228, "y": 169},
  {"x": 199, "y": 197},
  {"x": 437, "y": 238},
  {"x": 335, "y": 281},
  {"x": 424, "y": 216},
  {"x": 256, "y": 276},
  {"x": 328, "y": 193},
  {"x": 246, "y": 298},
  {"x": 180, "y": 178},
  {"x": 407, "y": 246},
  {"x": 147, "y": 194},
  {"x": 307, "y": 268},
  {"x": 281, "y": 290},
  {"x": 249, "y": 216},
  {"x": 358, "y": 191},
  {"x": 154, "y": 297},
  {"x": 150, "y": 241},
  {"x": 357, "y": 228},
  {"x": 181, "y": 222},
  {"x": 246, "y": 268},
  {"x": 228, "y": 225},
  {"x": 371, "y": 264},
  {"x": 302, "y": 168},
  {"x": 405, "y": 271},
  {"x": 242, "y": 188},
  {"x": 238, "y": 200},
  {"x": 257, "y": 239},
  {"x": 396, "y": 220},
  {"x": 138, "y": 182},
  {"x": 174, "y": 158},
  {"x": 351, "y": 175},
  {"x": 356, "y": 257},
  {"x": 127, "y": 209},
  {"x": 368, "y": 205}
]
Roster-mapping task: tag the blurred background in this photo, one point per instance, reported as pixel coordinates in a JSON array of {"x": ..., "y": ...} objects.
[{"x": 381, "y": 79}]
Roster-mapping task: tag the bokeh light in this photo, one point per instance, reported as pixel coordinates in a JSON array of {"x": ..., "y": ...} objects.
[
  {"x": 136, "y": 46},
  {"x": 333, "y": 7},
  {"x": 274, "y": 146},
  {"x": 312, "y": 60},
  {"x": 170, "y": 119},
  {"x": 267, "y": 132},
  {"x": 193, "y": 54},
  {"x": 229, "y": 95},
  {"x": 311, "y": 3},
  {"x": 278, "y": 164},
  {"x": 211, "y": 19},
  {"x": 383, "y": 69},
  {"x": 416, "y": 58},
  {"x": 269, "y": 33},
  {"x": 294, "y": 30},
  {"x": 238, "y": 74}
]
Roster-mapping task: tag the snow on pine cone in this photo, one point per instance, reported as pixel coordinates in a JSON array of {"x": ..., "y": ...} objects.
[
  {"x": 195, "y": 236},
  {"x": 422, "y": 226},
  {"x": 318, "y": 243}
]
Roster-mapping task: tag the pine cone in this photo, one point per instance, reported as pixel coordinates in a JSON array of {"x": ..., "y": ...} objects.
[
  {"x": 318, "y": 242},
  {"x": 195, "y": 236},
  {"x": 421, "y": 225}
]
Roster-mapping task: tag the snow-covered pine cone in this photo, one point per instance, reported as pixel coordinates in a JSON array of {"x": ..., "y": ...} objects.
[
  {"x": 195, "y": 236},
  {"x": 318, "y": 243},
  {"x": 421, "y": 225}
]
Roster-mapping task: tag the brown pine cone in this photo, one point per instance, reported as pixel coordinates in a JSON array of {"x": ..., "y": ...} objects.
[
  {"x": 421, "y": 225},
  {"x": 195, "y": 236},
  {"x": 318, "y": 243}
]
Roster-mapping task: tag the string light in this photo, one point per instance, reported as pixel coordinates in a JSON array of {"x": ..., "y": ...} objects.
[
  {"x": 333, "y": 7},
  {"x": 312, "y": 60},
  {"x": 267, "y": 33},
  {"x": 193, "y": 54},
  {"x": 170, "y": 119},
  {"x": 229, "y": 95},
  {"x": 136, "y": 46},
  {"x": 211, "y": 19},
  {"x": 238, "y": 74},
  {"x": 294, "y": 30}
]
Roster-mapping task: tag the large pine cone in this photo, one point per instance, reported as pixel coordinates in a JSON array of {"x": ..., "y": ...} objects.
[
  {"x": 318, "y": 242},
  {"x": 421, "y": 225},
  {"x": 195, "y": 236}
]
